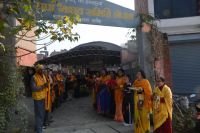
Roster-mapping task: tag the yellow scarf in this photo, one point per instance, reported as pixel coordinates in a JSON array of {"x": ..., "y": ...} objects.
[
  {"x": 161, "y": 111},
  {"x": 141, "y": 116},
  {"x": 39, "y": 81},
  {"x": 48, "y": 95},
  {"x": 60, "y": 79},
  {"x": 144, "y": 84}
]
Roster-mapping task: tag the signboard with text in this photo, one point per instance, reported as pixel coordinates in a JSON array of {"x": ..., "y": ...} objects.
[{"x": 97, "y": 12}]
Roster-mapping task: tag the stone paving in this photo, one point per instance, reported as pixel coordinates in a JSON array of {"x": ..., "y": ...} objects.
[{"x": 78, "y": 116}]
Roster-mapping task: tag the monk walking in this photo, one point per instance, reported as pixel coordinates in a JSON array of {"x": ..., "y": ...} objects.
[{"x": 162, "y": 107}]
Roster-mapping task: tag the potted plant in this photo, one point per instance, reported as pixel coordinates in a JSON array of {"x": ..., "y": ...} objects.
[{"x": 147, "y": 22}]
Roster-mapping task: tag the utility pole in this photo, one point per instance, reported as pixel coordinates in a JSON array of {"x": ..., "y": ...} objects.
[
  {"x": 140, "y": 47},
  {"x": 144, "y": 45}
]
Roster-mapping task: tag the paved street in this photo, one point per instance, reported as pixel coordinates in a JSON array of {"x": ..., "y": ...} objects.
[{"x": 78, "y": 116}]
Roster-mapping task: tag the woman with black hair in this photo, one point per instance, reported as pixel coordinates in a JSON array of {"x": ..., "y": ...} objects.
[
  {"x": 103, "y": 96},
  {"x": 111, "y": 86},
  {"x": 121, "y": 81},
  {"x": 142, "y": 103}
]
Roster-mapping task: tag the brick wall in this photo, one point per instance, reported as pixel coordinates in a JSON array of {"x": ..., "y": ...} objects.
[
  {"x": 24, "y": 47},
  {"x": 163, "y": 66},
  {"x": 167, "y": 65}
]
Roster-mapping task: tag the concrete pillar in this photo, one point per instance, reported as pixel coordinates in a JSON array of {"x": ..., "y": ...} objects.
[
  {"x": 145, "y": 54},
  {"x": 146, "y": 60}
]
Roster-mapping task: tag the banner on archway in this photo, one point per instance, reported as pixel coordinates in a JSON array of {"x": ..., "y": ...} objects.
[{"x": 97, "y": 12}]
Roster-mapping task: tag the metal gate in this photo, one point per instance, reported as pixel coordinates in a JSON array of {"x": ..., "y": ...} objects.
[{"x": 185, "y": 60}]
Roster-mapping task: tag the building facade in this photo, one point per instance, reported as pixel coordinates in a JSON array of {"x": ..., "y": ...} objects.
[
  {"x": 129, "y": 58},
  {"x": 180, "y": 22},
  {"x": 26, "y": 50}
]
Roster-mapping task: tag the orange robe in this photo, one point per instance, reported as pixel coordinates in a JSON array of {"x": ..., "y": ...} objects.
[
  {"x": 60, "y": 79},
  {"x": 142, "y": 114},
  {"x": 48, "y": 101},
  {"x": 121, "y": 81},
  {"x": 39, "y": 81},
  {"x": 53, "y": 88},
  {"x": 72, "y": 78}
]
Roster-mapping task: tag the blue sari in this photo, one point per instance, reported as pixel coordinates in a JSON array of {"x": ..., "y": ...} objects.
[{"x": 103, "y": 99}]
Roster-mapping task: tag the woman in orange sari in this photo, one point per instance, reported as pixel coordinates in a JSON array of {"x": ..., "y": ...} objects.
[
  {"x": 142, "y": 103},
  {"x": 121, "y": 82}
]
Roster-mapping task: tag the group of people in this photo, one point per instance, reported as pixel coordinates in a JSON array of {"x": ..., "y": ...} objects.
[
  {"x": 49, "y": 91},
  {"x": 107, "y": 93},
  {"x": 114, "y": 95}
]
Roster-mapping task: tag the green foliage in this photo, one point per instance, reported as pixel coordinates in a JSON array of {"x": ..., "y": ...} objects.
[
  {"x": 2, "y": 48},
  {"x": 147, "y": 18},
  {"x": 183, "y": 119},
  {"x": 132, "y": 34},
  {"x": 30, "y": 17},
  {"x": 26, "y": 15}
]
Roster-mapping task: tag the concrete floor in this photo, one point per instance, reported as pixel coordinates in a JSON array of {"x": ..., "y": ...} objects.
[{"x": 78, "y": 116}]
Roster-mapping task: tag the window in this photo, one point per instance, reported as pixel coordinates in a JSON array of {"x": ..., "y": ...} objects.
[{"x": 176, "y": 8}]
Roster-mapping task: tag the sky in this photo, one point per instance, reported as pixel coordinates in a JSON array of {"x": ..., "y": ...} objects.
[{"x": 89, "y": 33}]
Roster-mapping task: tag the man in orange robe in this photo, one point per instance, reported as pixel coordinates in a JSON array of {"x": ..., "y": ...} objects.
[
  {"x": 39, "y": 86},
  {"x": 60, "y": 82},
  {"x": 48, "y": 100},
  {"x": 73, "y": 85}
]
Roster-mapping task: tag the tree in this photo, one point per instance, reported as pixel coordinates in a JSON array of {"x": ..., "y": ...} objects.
[{"x": 29, "y": 16}]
